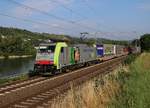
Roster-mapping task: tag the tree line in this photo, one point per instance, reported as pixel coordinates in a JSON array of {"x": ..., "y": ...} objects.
[
  {"x": 145, "y": 42},
  {"x": 15, "y": 46},
  {"x": 14, "y": 41}
]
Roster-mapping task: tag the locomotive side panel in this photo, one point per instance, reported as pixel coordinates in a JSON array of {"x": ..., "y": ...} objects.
[
  {"x": 66, "y": 57},
  {"x": 87, "y": 54}
]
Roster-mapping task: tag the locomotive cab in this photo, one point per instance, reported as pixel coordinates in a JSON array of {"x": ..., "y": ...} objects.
[{"x": 45, "y": 58}]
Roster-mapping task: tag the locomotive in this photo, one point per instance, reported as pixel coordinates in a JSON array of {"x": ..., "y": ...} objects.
[{"x": 60, "y": 57}]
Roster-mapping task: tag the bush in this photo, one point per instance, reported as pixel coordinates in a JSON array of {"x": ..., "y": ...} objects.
[
  {"x": 130, "y": 59},
  {"x": 15, "y": 46},
  {"x": 145, "y": 42}
]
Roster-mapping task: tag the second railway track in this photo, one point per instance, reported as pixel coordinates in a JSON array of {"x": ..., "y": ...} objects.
[{"x": 41, "y": 90}]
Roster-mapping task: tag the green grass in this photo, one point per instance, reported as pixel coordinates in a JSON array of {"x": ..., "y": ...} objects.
[
  {"x": 126, "y": 87},
  {"x": 130, "y": 59},
  {"x": 10, "y": 80},
  {"x": 135, "y": 84}
]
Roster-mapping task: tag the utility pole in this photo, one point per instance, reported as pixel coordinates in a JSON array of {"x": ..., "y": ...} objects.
[{"x": 100, "y": 39}]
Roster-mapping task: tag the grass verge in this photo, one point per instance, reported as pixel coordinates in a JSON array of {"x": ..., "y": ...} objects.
[
  {"x": 96, "y": 93},
  {"x": 135, "y": 87},
  {"x": 4, "y": 81},
  {"x": 126, "y": 87}
]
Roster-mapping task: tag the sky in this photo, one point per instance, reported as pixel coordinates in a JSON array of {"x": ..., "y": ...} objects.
[{"x": 112, "y": 19}]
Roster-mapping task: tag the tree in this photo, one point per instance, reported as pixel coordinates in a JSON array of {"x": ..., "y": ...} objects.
[
  {"x": 145, "y": 42},
  {"x": 135, "y": 42}
]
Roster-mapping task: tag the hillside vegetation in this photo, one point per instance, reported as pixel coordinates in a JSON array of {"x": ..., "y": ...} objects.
[
  {"x": 14, "y": 41},
  {"x": 15, "y": 46}
]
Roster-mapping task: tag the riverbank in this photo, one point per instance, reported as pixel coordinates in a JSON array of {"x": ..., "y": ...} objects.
[
  {"x": 21, "y": 77},
  {"x": 15, "y": 56}
]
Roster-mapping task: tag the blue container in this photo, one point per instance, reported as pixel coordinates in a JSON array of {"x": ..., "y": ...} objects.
[{"x": 100, "y": 50}]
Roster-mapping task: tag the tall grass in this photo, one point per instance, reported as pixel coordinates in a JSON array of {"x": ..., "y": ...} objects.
[
  {"x": 131, "y": 58},
  {"x": 96, "y": 93},
  {"x": 126, "y": 87},
  {"x": 135, "y": 91}
]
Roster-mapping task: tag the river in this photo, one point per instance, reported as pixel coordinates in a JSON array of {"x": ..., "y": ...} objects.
[{"x": 15, "y": 67}]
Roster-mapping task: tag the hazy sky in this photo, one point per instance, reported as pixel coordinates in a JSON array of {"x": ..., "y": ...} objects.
[{"x": 114, "y": 19}]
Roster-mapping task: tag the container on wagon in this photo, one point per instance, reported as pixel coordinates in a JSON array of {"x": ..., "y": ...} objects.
[{"x": 100, "y": 50}]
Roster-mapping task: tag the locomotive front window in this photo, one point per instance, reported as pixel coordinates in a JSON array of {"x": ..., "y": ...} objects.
[
  {"x": 43, "y": 50},
  {"x": 47, "y": 49},
  {"x": 51, "y": 48}
]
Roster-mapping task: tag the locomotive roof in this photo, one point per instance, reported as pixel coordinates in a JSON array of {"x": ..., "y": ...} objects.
[{"x": 47, "y": 44}]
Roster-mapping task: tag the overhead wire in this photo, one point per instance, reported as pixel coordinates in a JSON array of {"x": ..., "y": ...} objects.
[
  {"x": 52, "y": 15},
  {"x": 67, "y": 8},
  {"x": 38, "y": 10},
  {"x": 71, "y": 10},
  {"x": 32, "y": 21},
  {"x": 93, "y": 10}
]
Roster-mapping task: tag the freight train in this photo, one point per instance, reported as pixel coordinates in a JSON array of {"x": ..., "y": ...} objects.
[{"x": 60, "y": 57}]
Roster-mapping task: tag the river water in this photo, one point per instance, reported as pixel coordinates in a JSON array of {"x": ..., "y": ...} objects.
[{"x": 15, "y": 67}]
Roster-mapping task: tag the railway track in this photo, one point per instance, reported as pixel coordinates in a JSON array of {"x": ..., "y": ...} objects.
[
  {"x": 19, "y": 85},
  {"x": 37, "y": 92}
]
